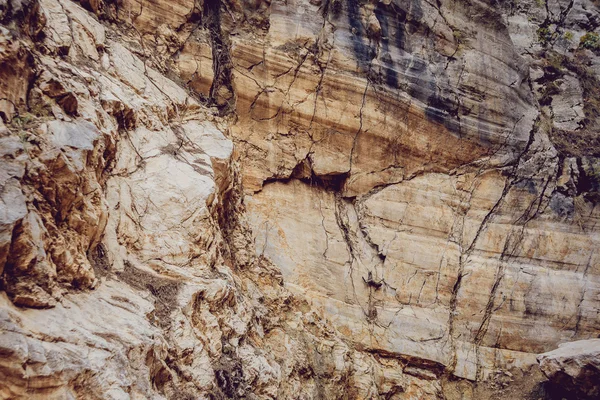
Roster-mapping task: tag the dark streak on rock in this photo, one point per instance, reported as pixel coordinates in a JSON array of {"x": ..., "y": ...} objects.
[
  {"x": 221, "y": 91},
  {"x": 363, "y": 52}
]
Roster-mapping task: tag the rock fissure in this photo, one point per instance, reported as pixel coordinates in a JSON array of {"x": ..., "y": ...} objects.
[{"x": 298, "y": 199}]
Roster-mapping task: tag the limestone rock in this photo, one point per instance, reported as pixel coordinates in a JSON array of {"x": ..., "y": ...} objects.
[
  {"x": 12, "y": 206},
  {"x": 297, "y": 199},
  {"x": 16, "y": 71},
  {"x": 574, "y": 367}
]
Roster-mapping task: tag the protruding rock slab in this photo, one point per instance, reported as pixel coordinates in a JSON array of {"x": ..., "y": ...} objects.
[{"x": 575, "y": 368}]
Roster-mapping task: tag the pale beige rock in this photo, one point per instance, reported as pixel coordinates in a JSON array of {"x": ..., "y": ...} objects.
[
  {"x": 300, "y": 199},
  {"x": 414, "y": 238},
  {"x": 12, "y": 201},
  {"x": 48, "y": 354},
  {"x": 15, "y": 75},
  {"x": 575, "y": 367},
  {"x": 57, "y": 27},
  {"x": 195, "y": 66}
]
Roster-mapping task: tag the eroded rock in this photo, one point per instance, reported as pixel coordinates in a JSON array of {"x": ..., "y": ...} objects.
[
  {"x": 574, "y": 368},
  {"x": 299, "y": 199}
]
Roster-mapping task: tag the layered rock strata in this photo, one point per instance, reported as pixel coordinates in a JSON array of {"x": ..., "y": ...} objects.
[{"x": 297, "y": 199}]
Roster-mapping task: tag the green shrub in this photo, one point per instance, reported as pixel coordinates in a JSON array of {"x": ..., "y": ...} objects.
[
  {"x": 591, "y": 41},
  {"x": 22, "y": 120},
  {"x": 544, "y": 35},
  {"x": 459, "y": 35}
]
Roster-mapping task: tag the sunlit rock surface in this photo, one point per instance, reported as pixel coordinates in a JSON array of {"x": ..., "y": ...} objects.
[
  {"x": 299, "y": 199},
  {"x": 573, "y": 368}
]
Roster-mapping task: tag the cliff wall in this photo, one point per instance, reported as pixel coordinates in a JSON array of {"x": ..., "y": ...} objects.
[{"x": 296, "y": 199}]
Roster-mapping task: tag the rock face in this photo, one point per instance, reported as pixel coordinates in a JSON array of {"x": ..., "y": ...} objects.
[
  {"x": 574, "y": 367},
  {"x": 433, "y": 220},
  {"x": 297, "y": 199}
]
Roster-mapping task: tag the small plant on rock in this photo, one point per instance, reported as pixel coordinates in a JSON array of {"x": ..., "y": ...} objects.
[
  {"x": 544, "y": 35},
  {"x": 591, "y": 41}
]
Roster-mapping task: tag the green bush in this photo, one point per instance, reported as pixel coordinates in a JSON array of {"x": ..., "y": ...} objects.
[
  {"x": 22, "y": 120},
  {"x": 590, "y": 40},
  {"x": 544, "y": 35}
]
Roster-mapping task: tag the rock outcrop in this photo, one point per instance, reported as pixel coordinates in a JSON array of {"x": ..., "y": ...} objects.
[
  {"x": 299, "y": 199},
  {"x": 418, "y": 158},
  {"x": 574, "y": 368}
]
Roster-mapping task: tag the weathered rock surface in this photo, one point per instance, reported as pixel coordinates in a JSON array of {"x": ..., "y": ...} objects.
[
  {"x": 574, "y": 367},
  {"x": 299, "y": 199},
  {"x": 435, "y": 218}
]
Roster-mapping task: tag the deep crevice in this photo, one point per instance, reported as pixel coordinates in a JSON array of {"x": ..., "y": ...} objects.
[{"x": 221, "y": 92}]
